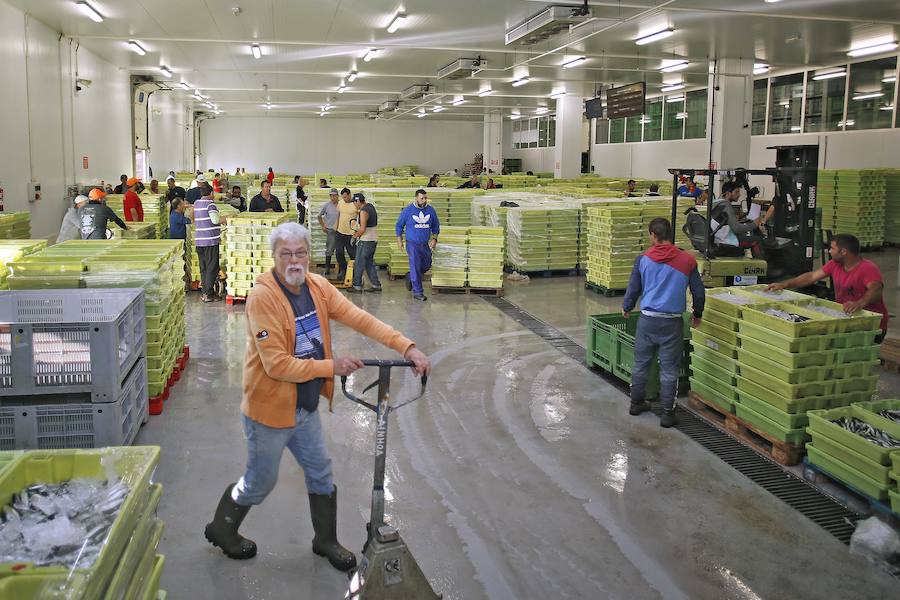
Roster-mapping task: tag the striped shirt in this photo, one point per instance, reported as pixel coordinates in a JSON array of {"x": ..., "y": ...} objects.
[{"x": 205, "y": 233}]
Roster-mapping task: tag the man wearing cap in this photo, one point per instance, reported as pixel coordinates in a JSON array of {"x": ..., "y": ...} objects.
[
  {"x": 134, "y": 210},
  {"x": 265, "y": 201},
  {"x": 346, "y": 223},
  {"x": 195, "y": 193},
  {"x": 367, "y": 241},
  {"x": 123, "y": 185},
  {"x": 328, "y": 218},
  {"x": 420, "y": 222},
  {"x": 174, "y": 191},
  {"x": 94, "y": 216},
  {"x": 71, "y": 226}
]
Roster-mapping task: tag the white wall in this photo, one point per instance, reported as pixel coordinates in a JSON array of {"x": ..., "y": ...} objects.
[
  {"x": 169, "y": 126},
  {"x": 45, "y": 128},
  {"x": 338, "y": 146},
  {"x": 538, "y": 160}
]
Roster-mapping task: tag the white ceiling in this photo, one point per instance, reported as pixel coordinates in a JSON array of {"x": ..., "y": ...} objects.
[{"x": 309, "y": 46}]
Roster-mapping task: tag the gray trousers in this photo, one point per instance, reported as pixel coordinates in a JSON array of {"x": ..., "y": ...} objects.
[
  {"x": 665, "y": 337},
  {"x": 208, "y": 257}
]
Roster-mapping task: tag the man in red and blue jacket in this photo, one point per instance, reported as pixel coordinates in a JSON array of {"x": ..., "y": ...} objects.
[{"x": 661, "y": 277}]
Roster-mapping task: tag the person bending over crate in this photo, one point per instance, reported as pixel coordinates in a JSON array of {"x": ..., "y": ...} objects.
[
  {"x": 661, "y": 277},
  {"x": 289, "y": 365}
]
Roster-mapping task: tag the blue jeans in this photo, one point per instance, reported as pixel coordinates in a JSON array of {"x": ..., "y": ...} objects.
[
  {"x": 419, "y": 262},
  {"x": 665, "y": 337},
  {"x": 365, "y": 261},
  {"x": 265, "y": 446}
]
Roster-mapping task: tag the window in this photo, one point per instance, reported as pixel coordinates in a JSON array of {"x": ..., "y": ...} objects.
[
  {"x": 673, "y": 126},
  {"x": 785, "y": 97},
  {"x": 760, "y": 92},
  {"x": 870, "y": 104},
  {"x": 543, "y": 127},
  {"x": 602, "y": 134},
  {"x": 695, "y": 122},
  {"x": 653, "y": 120},
  {"x": 537, "y": 132},
  {"x": 633, "y": 129},
  {"x": 616, "y": 131},
  {"x": 551, "y": 137},
  {"x": 824, "y": 103}
]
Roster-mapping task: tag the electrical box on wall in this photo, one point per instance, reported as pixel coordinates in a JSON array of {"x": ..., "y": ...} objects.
[{"x": 34, "y": 191}]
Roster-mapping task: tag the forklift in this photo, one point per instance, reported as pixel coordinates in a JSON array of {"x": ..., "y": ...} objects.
[{"x": 792, "y": 241}]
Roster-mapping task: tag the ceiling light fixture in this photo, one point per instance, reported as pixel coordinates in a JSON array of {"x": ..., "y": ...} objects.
[
  {"x": 557, "y": 95},
  {"x": 876, "y": 49},
  {"x": 256, "y": 50},
  {"x": 678, "y": 98},
  {"x": 396, "y": 22},
  {"x": 654, "y": 37},
  {"x": 645, "y": 119},
  {"x": 574, "y": 62},
  {"x": 185, "y": 85},
  {"x": 889, "y": 79},
  {"x": 197, "y": 97},
  {"x": 521, "y": 82},
  {"x": 830, "y": 75},
  {"x": 484, "y": 93},
  {"x": 89, "y": 11},
  {"x": 165, "y": 71},
  {"x": 541, "y": 110},
  {"x": 672, "y": 87},
  {"x": 370, "y": 54},
  {"x": 422, "y": 114},
  {"x": 323, "y": 113},
  {"x": 268, "y": 106},
  {"x": 795, "y": 128},
  {"x": 458, "y": 102},
  {"x": 136, "y": 47},
  {"x": 341, "y": 88},
  {"x": 681, "y": 116},
  {"x": 679, "y": 66},
  {"x": 886, "y": 107},
  {"x": 868, "y": 95},
  {"x": 437, "y": 108},
  {"x": 515, "y": 116},
  {"x": 849, "y": 123},
  {"x": 760, "y": 68},
  {"x": 352, "y": 76}
]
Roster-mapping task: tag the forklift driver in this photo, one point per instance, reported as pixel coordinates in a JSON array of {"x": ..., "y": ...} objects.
[{"x": 728, "y": 230}]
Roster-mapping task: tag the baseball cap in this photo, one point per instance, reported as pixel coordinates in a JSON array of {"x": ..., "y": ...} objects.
[
  {"x": 358, "y": 197},
  {"x": 170, "y": 178},
  {"x": 201, "y": 178},
  {"x": 132, "y": 181},
  {"x": 96, "y": 194},
  {"x": 333, "y": 191},
  {"x": 79, "y": 199}
]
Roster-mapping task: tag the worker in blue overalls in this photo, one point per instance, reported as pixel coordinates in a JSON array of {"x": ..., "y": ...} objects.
[{"x": 422, "y": 228}]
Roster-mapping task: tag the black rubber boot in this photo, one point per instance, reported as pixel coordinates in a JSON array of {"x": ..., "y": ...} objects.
[
  {"x": 323, "y": 512},
  {"x": 667, "y": 419},
  {"x": 639, "y": 407},
  {"x": 223, "y": 531}
]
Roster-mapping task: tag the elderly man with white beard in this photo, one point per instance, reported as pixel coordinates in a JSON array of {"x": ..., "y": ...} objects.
[{"x": 289, "y": 364}]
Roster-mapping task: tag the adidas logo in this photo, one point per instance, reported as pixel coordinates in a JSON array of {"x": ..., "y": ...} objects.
[{"x": 422, "y": 220}]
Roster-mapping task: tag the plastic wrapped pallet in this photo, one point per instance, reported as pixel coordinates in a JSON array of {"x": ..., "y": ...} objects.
[
  {"x": 15, "y": 225},
  {"x": 247, "y": 249},
  {"x": 485, "y": 258},
  {"x": 449, "y": 260}
]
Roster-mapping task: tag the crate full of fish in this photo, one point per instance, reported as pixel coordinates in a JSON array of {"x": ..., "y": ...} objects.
[
  {"x": 858, "y": 430},
  {"x": 791, "y": 320},
  {"x": 70, "y": 341},
  {"x": 73, "y": 513}
]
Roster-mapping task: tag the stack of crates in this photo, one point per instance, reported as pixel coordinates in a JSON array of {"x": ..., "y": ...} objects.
[
  {"x": 318, "y": 239},
  {"x": 857, "y": 461},
  {"x": 542, "y": 238},
  {"x": 247, "y": 251},
  {"x": 892, "y": 206},
  {"x": 615, "y": 240},
  {"x": 156, "y": 213},
  {"x": 459, "y": 208},
  {"x": 770, "y": 371},
  {"x": 76, "y": 376},
  {"x": 15, "y": 225},
  {"x": 128, "y": 565},
  {"x": 389, "y": 205},
  {"x": 398, "y": 259},
  {"x": 13, "y": 250},
  {"x": 448, "y": 266},
  {"x": 860, "y": 205},
  {"x": 826, "y": 196},
  {"x": 137, "y": 230},
  {"x": 439, "y": 199},
  {"x": 485, "y": 262}
]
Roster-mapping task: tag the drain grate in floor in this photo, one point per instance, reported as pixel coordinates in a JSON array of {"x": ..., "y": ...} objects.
[{"x": 792, "y": 490}]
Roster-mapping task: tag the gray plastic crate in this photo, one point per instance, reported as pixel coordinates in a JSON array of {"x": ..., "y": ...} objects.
[
  {"x": 70, "y": 341},
  {"x": 92, "y": 425}
]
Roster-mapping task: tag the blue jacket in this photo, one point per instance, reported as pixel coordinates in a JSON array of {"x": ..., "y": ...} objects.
[
  {"x": 662, "y": 275},
  {"x": 419, "y": 223},
  {"x": 178, "y": 225}
]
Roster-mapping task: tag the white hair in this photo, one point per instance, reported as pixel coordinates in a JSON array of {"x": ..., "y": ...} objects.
[{"x": 289, "y": 232}]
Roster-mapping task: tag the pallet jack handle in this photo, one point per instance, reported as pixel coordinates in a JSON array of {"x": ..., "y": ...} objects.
[{"x": 384, "y": 369}]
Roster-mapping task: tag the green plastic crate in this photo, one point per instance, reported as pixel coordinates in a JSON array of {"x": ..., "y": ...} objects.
[
  {"x": 783, "y": 389},
  {"x": 720, "y": 319},
  {"x": 716, "y": 302},
  {"x": 141, "y": 537},
  {"x": 853, "y": 370},
  {"x": 895, "y": 502},
  {"x": 713, "y": 356},
  {"x": 708, "y": 393},
  {"x": 700, "y": 338},
  {"x": 784, "y": 373},
  {"x": 144, "y": 572},
  {"x": 863, "y": 320},
  {"x": 871, "y": 408},
  {"x": 718, "y": 333},
  {"x": 793, "y": 360},
  {"x": 37, "y": 587},
  {"x": 820, "y": 422},
  {"x": 793, "y": 436},
  {"x": 852, "y": 458},
  {"x": 783, "y": 419},
  {"x": 788, "y": 405},
  {"x": 865, "y": 385},
  {"x": 723, "y": 388},
  {"x": 818, "y": 324},
  {"x": 846, "y": 473},
  {"x": 722, "y": 375},
  {"x": 151, "y": 590}
]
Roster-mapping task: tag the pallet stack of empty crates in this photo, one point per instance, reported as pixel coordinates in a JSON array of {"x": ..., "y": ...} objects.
[
  {"x": 15, "y": 225},
  {"x": 826, "y": 196},
  {"x": 155, "y": 212},
  {"x": 485, "y": 261},
  {"x": 389, "y": 205},
  {"x": 769, "y": 357},
  {"x": 13, "y": 250},
  {"x": 318, "y": 239},
  {"x": 542, "y": 238},
  {"x": 892, "y": 206},
  {"x": 860, "y": 205},
  {"x": 76, "y": 374},
  {"x": 615, "y": 239},
  {"x": 448, "y": 267}
]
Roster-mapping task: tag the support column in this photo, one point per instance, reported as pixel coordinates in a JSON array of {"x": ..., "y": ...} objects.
[
  {"x": 493, "y": 142},
  {"x": 729, "y": 112},
  {"x": 567, "y": 152}
]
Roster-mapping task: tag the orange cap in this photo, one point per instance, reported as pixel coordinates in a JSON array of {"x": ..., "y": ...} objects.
[
  {"x": 132, "y": 181},
  {"x": 97, "y": 194}
]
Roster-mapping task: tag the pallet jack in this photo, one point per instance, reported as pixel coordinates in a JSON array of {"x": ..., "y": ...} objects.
[
  {"x": 348, "y": 277},
  {"x": 387, "y": 569}
]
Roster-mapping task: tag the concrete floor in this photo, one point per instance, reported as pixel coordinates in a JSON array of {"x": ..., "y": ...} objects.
[{"x": 519, "y": 475}]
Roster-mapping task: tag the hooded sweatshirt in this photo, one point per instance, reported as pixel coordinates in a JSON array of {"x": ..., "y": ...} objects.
[
  {"x": 662, "y": 275},
  {"x": 419, "y": 223}
]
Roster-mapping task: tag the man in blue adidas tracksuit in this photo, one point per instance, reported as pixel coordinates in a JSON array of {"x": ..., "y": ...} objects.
[
  {"x": 661, "y": 276},
  {"x": 420, "y": 222}
]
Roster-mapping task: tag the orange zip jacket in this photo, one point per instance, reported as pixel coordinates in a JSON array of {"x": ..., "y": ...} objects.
[{"x": 271, "y": 372}]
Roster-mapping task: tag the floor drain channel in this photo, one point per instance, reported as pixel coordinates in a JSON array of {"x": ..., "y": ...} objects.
[{"x": 792, "y": 490}]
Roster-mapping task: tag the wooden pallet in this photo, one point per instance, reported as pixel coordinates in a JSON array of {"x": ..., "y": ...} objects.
[
  {"x": 784, "y": 453},
  {"x": 890, "y": 355},
  {"x": 156, "y": 402},
  {"x": 847, "y": 494},
  {"x": 547, "y": 272},
  {"x": 599, "y": 289},
  {"x": 439, "y": 289}
]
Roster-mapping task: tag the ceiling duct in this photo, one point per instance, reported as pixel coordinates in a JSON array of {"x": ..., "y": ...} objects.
[
  {"x": 546, "y": 23},
  {"x": 390, "y": 106},
  {"x": 373, "y": 114},
  {"x": 462, "y": 68},
  {"x": 414, "y": 92}
]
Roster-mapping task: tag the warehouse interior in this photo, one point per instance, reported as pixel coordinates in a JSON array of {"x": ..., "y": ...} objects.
[{"x": 518, "y": 472}]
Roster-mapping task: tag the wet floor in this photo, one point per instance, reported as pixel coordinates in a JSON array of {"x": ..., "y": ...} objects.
[{"x": 518, "y": 475}]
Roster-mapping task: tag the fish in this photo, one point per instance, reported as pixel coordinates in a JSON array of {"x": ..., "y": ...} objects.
[
  {"x": 787, "y": 316},
  {"x": 868, "y": 432},
  {"x": 893, "y": 415}
]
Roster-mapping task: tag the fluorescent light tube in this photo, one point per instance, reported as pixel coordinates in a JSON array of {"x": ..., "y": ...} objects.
[
  {"x": 681, "y": 116},
  {"x": 831, "y": 75},
  {"x": 256, "y": 50},
  {"x": 484, "y": 93},
  {"x": 541, "y": 110},
  {"x": 876, "y": 49},
  {"x": 889, "y": 79},
  {"x": 574, "y": 62},
  {"x": 396, "y": 22},
  {"x": 136, "y": 47},
  {"x": 680, "y": 66},
  {"x": 89, "y": 11},
  {"x": 185, "y": 85},
  {"x": 341, "y": 88},
  {"x": 437, "y": 109},
  {"x": 558, "y": 95},
  {"x": 521, "y": 82},
  {"x": 515, "y": 116},
  {"x": 458, "y": 102},
  {"x": 370, "y": 54},
  {"x": 654, "y": 37},
  {"x": 795, "y": 128},
  {"x": 165, "y": 71},
  {"x": 679, "y": 98},
  {"x": 868, "y": 96},
  {"x": 674, "y": 87},
  {"x": 421, "y": 114},
  {"x": 352, "y": 76},
  {"x": 760, "y": 68}
]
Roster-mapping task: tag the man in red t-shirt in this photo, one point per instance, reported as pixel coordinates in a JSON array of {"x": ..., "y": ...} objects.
[
  {"x": 857, "y": 282},
  {"x": 131, "y": 205}
]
